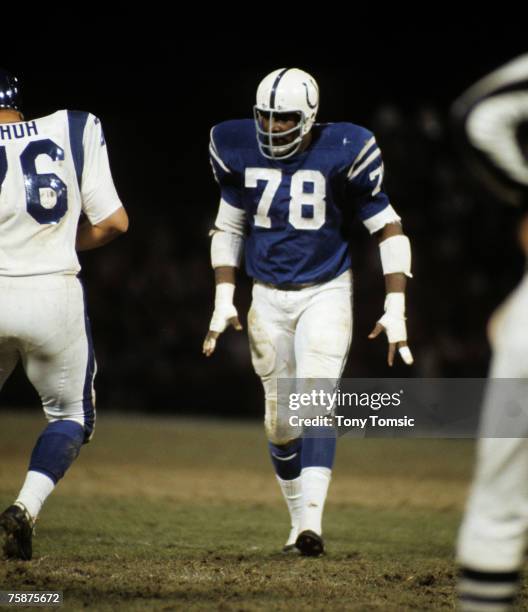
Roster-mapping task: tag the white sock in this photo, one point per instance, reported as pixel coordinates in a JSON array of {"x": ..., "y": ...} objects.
[
  {"x": 292, "y": 492},
  {"x": 34, "y": 492},
  {"x": 315, "y": 481}
]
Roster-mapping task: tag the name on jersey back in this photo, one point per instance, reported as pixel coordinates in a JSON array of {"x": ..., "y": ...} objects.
[{"x": 14, "y": 131}]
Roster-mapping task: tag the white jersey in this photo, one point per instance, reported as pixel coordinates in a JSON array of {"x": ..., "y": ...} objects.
[{"x": 52, "y": 169}]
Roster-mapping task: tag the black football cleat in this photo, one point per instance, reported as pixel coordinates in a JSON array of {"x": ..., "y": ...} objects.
[
  {"x": 310, "y": 544},
  {"x": 18, "y": 528}
]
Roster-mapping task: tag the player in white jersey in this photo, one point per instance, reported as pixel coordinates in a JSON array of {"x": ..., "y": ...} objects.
[
  {"x": 491, "y": 120},
  {"x": 52, "y": 169},
  {"x": 288, "y": 186}
]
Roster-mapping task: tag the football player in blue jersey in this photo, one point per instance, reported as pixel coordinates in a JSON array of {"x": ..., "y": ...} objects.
[{"x": 287, "y": 184}]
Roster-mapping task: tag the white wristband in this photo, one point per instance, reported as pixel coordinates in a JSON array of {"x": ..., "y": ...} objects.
[
  {"x": 224, "y": 294},
  {"x": 395, "y": 304},
  {"x": 224, "y": 309},
  {"x": 396, "y": 255}
]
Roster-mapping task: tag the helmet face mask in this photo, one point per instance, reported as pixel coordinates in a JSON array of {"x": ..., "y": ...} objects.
[
  {"x": 278, "y": 144},
  {"x": 285, "y": 95}
]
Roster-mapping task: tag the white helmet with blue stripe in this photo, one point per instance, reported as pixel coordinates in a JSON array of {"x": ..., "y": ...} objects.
[{"x": 285, "y": 92}]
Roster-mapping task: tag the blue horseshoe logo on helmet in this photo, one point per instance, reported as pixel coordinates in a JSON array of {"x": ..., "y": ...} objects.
[{"x": 312, "y": 106}]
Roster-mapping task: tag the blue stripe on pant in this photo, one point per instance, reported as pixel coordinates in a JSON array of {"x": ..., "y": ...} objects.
[{"x": 88, "y": 398}]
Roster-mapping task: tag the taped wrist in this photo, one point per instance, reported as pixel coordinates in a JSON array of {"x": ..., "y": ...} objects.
[
  {"x": 224, "y": 295},
  {"x": 394, "y": 318},
  {"x": 396, "y": 255},
  {"x": 224, "y": 309},
  {"x": 395, "y": 304}
]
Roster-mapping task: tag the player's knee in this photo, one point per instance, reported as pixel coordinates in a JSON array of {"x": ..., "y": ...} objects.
[
  {"x": 263, "y": 354},
  {"x": 279, "y": 431},
  {"x": 80, "y": 412}
]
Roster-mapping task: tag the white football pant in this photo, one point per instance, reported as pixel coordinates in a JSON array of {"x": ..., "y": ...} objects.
[
  {"x": 43, "y": 323},
  {"x": 298, "y": 334},
  {"x": 493, "y": 534}
]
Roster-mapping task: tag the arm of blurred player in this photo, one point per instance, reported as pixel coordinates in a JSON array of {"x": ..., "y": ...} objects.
[
  {"x": 490, "y": 128},
  {"x": 394, "y": 253},
  {"x": 93, "y": 236}
]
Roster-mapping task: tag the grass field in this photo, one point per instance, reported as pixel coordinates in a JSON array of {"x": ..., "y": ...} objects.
[{"x": 166, "y": 514}]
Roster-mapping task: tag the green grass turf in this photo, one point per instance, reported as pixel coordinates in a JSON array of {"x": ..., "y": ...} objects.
[{"x": 165, "y": 514}]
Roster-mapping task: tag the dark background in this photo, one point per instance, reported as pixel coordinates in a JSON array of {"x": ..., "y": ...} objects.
[{"x": 150, "y": 293}]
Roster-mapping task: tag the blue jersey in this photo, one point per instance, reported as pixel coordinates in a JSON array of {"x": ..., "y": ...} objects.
[{"x": 295, "y": 208}]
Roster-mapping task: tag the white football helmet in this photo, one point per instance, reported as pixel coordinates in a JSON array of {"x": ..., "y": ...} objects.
[{"x": 287, "y": 90}]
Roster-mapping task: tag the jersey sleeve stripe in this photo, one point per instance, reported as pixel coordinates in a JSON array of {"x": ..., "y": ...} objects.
[
  {"x": 218, "y": 160},
  {"x": 364, "y": 150},
  {"x": 354, "y": 171},
  {"x": 215, "y": 155},
  {"x": 359, "y": 157},
  {"x": 211, "y": 141},
  {"x": 76, "y": 124}
]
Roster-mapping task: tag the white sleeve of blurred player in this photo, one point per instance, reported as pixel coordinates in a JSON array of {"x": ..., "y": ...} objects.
[
  {"x": 508, "y": 334},
  {"x": 99, "y": 195},
  {"x": 492, "y": 128},
  {"x": 503, "y": 415},
  {"x": 488, "y": 119}
]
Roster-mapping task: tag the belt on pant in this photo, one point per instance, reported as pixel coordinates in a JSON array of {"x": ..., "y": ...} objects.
[{"x": 286, "y": 286}]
